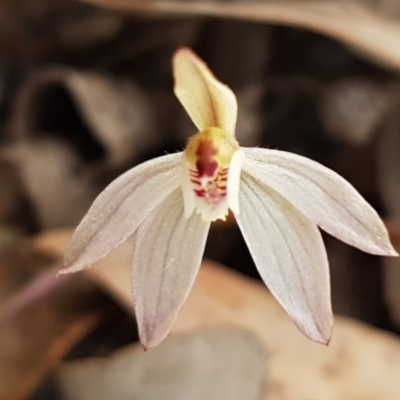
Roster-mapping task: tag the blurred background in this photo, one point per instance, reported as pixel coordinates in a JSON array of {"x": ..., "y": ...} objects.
[{"x": 86, "y": 93}]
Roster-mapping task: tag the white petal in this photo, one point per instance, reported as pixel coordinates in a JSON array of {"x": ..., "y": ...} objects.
[
  {"x": 234, "y": 179},
  {"x": 120, "y": 209},
  {"x": 290, "y": 256},
  {"x": 323, "y": 196},
  {"x": 207, "y": 101},
  {"x": 167, "y": 257}
]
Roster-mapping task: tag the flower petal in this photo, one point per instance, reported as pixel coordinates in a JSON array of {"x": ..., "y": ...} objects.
[
  {"x": 323, "y": 196},
  {"x": 289, "y": 253},
  {"x": 120, "y": 209},
  {"x": 207, "y": 101},
  {"x": 167, "y": 257}
]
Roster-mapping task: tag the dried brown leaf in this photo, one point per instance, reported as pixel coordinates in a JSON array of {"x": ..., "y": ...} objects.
[
  {"x": 351, "y": 22},
  {"x": 389, "y": 174},
  {"x": 40, "y": 321},
  {"x": 18, "y": 264},
  {"x": 81, "y": 124},
  {"x": 41, "y": 28},
  {"x": 345, "y": 370},
  {"x": 116, "y": 113},
  {"x": 219, "y": 362}
]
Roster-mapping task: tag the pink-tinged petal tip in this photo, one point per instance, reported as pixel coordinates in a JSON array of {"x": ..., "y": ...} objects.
[
  {"x": 166, "y": 259},
  {"x": 290, "y": 256},
  {"x": 323, "y": 196},
  {"x": 119, "y": 210},
  {"x": 151, "y": 335}
]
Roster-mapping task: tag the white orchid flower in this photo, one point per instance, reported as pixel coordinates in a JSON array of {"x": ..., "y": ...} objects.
[{"x": 279, "y": 201}]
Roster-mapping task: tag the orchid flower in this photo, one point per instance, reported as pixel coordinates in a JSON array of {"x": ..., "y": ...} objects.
[{"x": 279, "y": 200}]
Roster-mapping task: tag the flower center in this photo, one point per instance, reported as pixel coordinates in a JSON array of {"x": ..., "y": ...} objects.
[{"x": 206, "y": 164}]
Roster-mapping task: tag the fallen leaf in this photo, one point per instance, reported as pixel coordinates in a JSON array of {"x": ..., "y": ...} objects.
[
  {"x": 219, "y": 362},
  {"x": 18, "y": 263},
  {"x": 59, "y": 195},
  {"x": 299, "y": 369},
  {"x": 82, "y": 124},
  {"x": 389, "y": 174},
  {"x": 41, "y": 319},
  {"x": 46, "y": 29},
  {"x": 113, "y": 113},
  {"x": 354, "y": 23}
]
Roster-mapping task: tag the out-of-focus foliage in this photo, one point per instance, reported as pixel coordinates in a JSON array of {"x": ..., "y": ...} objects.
[{"x": 86, "y": 93}]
